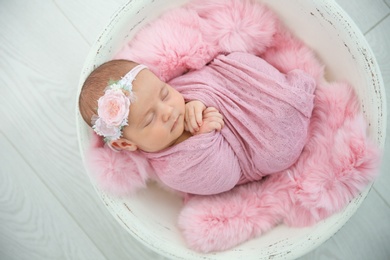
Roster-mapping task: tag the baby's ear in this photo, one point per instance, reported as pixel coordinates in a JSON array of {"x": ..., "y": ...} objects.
[{"x": 124, "y": 144}]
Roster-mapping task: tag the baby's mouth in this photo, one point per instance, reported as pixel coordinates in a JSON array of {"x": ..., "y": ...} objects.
[{"x": 175, "y": 123}]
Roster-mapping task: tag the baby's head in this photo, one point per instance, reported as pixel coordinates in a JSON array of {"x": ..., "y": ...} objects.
[{"x": 131, "y": 108}]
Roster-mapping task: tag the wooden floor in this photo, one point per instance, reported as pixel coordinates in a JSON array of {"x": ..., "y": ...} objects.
[{"x": 48, "y": 208}]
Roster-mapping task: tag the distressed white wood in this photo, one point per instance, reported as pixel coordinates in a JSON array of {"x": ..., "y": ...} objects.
[
  {"x": 366, "y": 234},
  {"x": 365, "y": 13},
  {"x": 379, "y": 39},
  {"x": 89, "y": 17},
  {"x": 48, "y": 208}
]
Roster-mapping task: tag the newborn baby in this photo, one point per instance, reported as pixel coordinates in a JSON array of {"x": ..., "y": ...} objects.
[{"x": 264, "y": 128}]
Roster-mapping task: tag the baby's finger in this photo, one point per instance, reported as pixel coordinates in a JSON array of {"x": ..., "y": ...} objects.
[
  {"x": 211, "y": 124},
  {"x": 199, "y": 115},
  {"x": 209, "y": 127},
  {"x": 186, "y": 127},
  {"x": 191, "y": 120},
  {"x": 190, "y": 128},
  {"x": 210, "y": 109},
  {"x": 217, "y": 126},
  {"x": 213, "y": 114},
  {"x": 216, "y": 122}
]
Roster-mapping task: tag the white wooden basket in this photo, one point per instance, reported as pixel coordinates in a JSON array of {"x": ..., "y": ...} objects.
[{"x": 151, "y": 215}]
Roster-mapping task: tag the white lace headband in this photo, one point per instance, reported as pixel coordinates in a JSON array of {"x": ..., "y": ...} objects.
[{"x": 114, "y": 106}]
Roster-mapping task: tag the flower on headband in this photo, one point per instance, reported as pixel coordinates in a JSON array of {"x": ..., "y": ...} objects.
[
  {"x": 113, "y": 110},
  {"x": 114, "y": 106}
]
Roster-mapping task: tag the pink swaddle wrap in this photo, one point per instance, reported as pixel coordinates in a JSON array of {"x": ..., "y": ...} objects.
[{"x": 266, "y": 116}]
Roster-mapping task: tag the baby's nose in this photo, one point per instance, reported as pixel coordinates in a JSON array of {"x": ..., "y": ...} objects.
[{"x": 166, "y": 112}]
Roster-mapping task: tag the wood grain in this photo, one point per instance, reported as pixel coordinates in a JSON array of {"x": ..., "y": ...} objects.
[
  {"x": 365, "y": 13},
  {"x": 48, "y": 208},
  {"x": 379, "y": 40},
  {"x": 40, "y": 68},
  {"x": 89, "y": 23},
  {"x": 37, "y": 225},
  {"x": 364, "y": 236}
]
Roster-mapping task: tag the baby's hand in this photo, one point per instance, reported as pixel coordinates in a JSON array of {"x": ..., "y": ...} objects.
[
  {"x": 194, "y": 116},
  {"x": 212, "y": 120}
]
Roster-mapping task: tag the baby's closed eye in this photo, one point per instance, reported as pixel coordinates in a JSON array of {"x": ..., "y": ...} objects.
[
  {"x": 149, "y": 119},
  {"x": 164, "y": 94}
]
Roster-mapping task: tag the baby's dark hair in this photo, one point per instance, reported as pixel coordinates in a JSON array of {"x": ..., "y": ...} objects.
[{"x": 95, "y": 84}]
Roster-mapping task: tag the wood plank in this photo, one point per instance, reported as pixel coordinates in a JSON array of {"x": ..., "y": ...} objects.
[
  {"x": 365, "y": 13},
  {"x": 379, "y": 40},
  {"x": 89, "y": 17},
  {"x": 365, "y": 236},
  {"x": 42, "y": 56},
  {"x": 35, "y": 225}
]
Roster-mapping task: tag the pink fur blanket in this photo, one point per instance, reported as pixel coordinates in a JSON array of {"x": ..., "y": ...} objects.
[{"x": 337, "y": 162}]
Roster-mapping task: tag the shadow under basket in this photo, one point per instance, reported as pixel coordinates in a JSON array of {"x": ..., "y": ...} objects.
[{"x": 151, "y": 215}]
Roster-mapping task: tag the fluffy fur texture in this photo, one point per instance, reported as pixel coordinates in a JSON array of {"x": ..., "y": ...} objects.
[
  {"x": 337, "y": 163},
  {"x": 152, "y": 46},
  {"x": 117, "y": 172},
  {"x": 230, "y": 25}
]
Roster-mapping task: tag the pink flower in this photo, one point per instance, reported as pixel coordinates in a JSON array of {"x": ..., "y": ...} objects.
[
  {"x": 113, "y": 110},
  {"x": 108, "y": 131},
  {"x": 113, "y": 107}
]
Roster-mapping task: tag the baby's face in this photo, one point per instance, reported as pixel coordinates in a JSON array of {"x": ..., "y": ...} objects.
[{"x": 156, "y": 118}]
